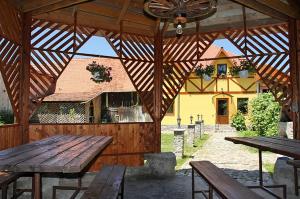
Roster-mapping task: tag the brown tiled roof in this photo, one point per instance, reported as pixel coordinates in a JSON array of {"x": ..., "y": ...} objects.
[
  {"x": 71, "y": 97},
  {"x": 75, "y": 83}
]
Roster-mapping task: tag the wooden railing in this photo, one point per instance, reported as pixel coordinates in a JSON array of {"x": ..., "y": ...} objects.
[
  {"x": 10, "y": 136},
  {"x": 130, "y": 140}
]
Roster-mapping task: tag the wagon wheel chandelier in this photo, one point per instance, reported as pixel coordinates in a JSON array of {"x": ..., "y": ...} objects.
[{"x": 180, "y": 11}]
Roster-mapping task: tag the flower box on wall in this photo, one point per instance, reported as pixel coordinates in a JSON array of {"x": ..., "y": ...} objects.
[
  {"x": 244, "y": 74},
  {"x": 205, "y": 72}
]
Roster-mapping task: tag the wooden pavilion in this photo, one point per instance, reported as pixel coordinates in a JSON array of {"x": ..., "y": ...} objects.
[{"x": 38, "y": 38}]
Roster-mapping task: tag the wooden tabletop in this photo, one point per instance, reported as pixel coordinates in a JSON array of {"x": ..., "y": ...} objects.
[
  {"x": 62, "y": 153},
  {"x": 279, "y": 145}
]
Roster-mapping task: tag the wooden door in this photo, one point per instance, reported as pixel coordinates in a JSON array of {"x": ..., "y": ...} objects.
[{"x": 222, "y": 116}]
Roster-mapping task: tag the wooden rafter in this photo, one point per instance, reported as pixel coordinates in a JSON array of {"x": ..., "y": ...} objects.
[
  {"x": 258, "y": 6},
  {"x": 282, "y": 7},
  {"x": 123, "y": 11},
  {"x": 50, "y": 6}
]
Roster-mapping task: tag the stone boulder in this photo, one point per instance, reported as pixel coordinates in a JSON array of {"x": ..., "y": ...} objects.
[
  {"x": 284, "y": 174},
  {"x": 158, "y": 165}
]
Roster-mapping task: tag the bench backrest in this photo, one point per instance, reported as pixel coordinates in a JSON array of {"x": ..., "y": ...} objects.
[{"x": 222, "y": 183}]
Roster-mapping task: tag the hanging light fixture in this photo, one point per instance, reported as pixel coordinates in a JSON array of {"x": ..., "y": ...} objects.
[{"x": 180, "y": 12}]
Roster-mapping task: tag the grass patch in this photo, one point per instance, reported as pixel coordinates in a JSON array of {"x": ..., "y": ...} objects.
[
  {"x": 269, "y": 167},
  {"x": 167, "y": 140},
  {"x": 248, "y": 134}
]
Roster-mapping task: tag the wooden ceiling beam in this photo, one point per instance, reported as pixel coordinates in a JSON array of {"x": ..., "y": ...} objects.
[
  {"x": 123, "y": 11},
  {"x": 55, "y": 5},
  {"x": 293, "y": 12},
  {"x": 256, "y": 5}
]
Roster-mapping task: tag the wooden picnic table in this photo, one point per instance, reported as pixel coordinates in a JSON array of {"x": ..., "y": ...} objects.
[
  {"x": 279, "y": 145},
  {"x": 56, "y": 154}
]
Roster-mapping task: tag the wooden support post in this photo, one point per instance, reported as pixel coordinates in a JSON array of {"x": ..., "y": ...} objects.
[
  {"x": 24, "y": 78},
  {"x": 295, "y": 74},
  {"x": 158, "y": 80}
]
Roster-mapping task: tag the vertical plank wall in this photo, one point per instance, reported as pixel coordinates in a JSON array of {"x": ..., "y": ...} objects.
[
  {"x": 10, "y": 136},
  {"x": 130, "y": 140}
]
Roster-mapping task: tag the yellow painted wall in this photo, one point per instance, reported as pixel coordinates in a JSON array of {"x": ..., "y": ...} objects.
[
  {"x": 192, "y": 102},
  {"x": 202, "y": 104}
]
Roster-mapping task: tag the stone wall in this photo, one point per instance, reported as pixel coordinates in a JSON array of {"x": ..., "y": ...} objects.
[{"x": 286, "y": 129}]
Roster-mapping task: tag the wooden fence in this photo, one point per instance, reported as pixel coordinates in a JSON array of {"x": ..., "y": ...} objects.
[
  {"x": 10, "y": 136},
  {"x": 130, "y": 140}
]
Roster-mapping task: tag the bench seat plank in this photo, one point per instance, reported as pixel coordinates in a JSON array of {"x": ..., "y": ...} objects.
[
  {"x": 222, "y": 183},
  {"x": 106, "y": 184},
  {"x": 8, "y": 177}
]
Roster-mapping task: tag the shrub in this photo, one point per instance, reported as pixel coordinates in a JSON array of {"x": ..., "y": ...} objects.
[
  {"x": 248, "y": 133},
  {"x": 238, "y": 121},
  {"x": 265, "y": 115},
  {"x": 207, "y": 70},
  {"x": 6, "y": 117}
]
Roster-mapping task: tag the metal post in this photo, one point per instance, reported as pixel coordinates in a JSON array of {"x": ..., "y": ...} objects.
[
  {"x": 260, "y": 168},
  {"x": 296, "y": 181},
  {"x": 210, "y": 192},
  {"x": 193, "y": 184},
  {"x": 4, "y": 192}
]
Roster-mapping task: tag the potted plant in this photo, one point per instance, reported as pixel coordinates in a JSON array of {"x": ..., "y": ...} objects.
[
  {"x": 100, "y": 73},
  {"x": 243, "y": 69},
  {"x": 206, "y": 72}
]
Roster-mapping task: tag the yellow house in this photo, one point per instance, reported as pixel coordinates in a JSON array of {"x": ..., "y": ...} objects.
[{"x": 215, "y": 100}]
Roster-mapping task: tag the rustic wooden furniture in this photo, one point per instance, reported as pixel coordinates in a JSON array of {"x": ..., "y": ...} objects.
[
  {"x": 56, "y": 154},
  {"x": 39, "y": 38},
  {"x": 219, "y": 181},
  {"x": 296, "y": 165},
  {"x": 107, "y": 183},
  {"x": 279, "y": 145},
  {"x": 6, "y": 178}
]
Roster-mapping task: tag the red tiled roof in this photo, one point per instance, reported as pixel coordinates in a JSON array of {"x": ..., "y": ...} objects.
[
  {"x": 71, "y": 97},
  {"x": 75, "y": 83}
]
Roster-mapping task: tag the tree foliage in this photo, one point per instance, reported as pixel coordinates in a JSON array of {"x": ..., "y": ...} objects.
[
  {"x": 265, "y": 115},
  {"x": 238, "y": 121}
]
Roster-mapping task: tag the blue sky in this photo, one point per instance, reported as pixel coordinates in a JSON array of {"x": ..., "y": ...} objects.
[{"x": 99, "y": 46}]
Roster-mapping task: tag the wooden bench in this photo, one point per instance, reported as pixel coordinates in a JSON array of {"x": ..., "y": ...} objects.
[
  {"x": 107, "y": 184},
  {"x": 7, "y": 178},
  {"x": 296, "y": 165},
  {"x": 220, "y": 182}
]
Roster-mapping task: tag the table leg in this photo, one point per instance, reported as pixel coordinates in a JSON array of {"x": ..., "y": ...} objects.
[
  {"x": 260, "y": 168},
  {"x": 193, "y": 184},
  {"x": 37, "y": 186}
]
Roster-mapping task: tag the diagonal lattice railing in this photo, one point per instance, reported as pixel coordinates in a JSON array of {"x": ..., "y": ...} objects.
[
  {"x": 137, "y": 56},
  {"x": 10, "y": 53},
  {"x": 179, "y": 60},
  {"x": 53, "y": 45},
  {"x": 268, "y": 50}
]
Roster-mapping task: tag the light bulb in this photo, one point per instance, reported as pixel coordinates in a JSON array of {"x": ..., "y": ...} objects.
[{"x": 179, "y": 30}]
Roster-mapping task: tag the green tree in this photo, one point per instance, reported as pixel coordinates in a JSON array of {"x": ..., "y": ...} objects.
[
  {"x": 265, "y": 114},
  {"x": 238, "y": 121}
]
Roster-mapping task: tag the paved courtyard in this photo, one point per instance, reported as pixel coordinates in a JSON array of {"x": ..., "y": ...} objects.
[{"x": 237, "y": 160}]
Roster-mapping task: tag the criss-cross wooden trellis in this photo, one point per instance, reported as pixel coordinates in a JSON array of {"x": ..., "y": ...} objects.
[
  {"x": 268, "y": 50},
  {"x": 53, "y": 46},
  {"x": 10, "y": 53},
  {"x": 158, "y": 67}
]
